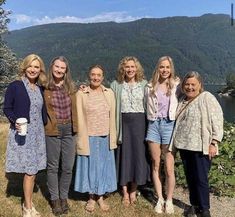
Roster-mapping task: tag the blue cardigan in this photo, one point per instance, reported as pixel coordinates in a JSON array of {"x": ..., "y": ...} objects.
[{"x": 17, "y": 103}]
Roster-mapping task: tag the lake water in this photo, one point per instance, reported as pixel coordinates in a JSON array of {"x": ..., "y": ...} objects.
[{"x": 227, "y": 102}]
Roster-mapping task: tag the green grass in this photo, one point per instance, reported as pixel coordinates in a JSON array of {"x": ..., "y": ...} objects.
[{"x": 11, "y": 194}]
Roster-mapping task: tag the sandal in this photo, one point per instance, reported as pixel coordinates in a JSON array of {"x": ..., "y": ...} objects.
[
  {"x": 90, "y": 205},
  {"x": 126, "y": 201},
  {"x": 103, "y": 206},
  {"x": 133, "y": 199}
]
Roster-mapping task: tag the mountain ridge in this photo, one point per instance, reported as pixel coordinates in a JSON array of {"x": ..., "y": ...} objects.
[{"x": 205, "y": 44}]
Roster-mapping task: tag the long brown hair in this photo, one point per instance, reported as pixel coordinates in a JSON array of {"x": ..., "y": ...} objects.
[
  {"x": 121, "y": 72},
  {"x": 69, "y": 84},
  {"x": 156, "y": 75}
]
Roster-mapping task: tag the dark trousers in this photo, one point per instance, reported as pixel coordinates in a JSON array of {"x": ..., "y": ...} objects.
[
  {"x": 62, "y": 148},
  {"x": 196, "y": 168}
]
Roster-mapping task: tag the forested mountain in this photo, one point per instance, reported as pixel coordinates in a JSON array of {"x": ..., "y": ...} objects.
[{"x": 205, "y": 44}]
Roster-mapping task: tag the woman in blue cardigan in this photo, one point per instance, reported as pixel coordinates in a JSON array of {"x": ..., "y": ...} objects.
[{"x": 27, "y": 154}]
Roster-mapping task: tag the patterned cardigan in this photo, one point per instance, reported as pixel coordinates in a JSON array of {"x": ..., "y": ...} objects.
[{"x": 208, "y": 122}]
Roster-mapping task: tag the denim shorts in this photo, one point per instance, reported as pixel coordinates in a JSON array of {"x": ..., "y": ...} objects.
[{"x": 160, "y": 131}]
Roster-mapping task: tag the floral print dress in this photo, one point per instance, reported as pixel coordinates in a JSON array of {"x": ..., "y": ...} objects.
[{"x": 27, "y": 154}]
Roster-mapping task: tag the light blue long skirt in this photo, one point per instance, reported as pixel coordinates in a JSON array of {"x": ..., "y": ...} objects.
[{"x": 96, "y": 173}]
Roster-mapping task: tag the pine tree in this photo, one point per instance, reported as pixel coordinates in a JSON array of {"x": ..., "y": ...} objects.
[
  {"x": 4, "y": 20},
  {"x": 8, "y": 60}
]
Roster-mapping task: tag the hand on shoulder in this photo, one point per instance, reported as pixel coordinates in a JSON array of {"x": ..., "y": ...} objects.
[{"x": 82, "y": 87}]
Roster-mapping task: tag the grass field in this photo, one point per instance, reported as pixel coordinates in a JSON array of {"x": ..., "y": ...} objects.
[{"x": 11, "y": 195}]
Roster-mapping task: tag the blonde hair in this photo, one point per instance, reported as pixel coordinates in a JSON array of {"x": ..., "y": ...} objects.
[
  {"x": 156, "y": 75},
  {"x": 121, "y": 72},
  {"x": 42, "y": 79},
  {"x": 69, "y": 84}
]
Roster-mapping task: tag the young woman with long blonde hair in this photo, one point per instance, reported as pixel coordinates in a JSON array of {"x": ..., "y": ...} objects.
[{"x": 161, "y": 99}]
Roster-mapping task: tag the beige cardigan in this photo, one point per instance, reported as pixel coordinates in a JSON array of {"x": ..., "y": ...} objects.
[
  {"x": 83, "y": 138},
  {"x": 211, "y": 123}
]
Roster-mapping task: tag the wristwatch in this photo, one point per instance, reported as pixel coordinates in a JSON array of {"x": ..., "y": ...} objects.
[{"x": 214, "y": 143}]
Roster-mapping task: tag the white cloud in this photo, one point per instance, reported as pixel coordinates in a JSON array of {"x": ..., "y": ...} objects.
[
  {"x": 21, "y": 19},
  {"x": 103, "y": 17},
  {"x": 25, "y": 20}
]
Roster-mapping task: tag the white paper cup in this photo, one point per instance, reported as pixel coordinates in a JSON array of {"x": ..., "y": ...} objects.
[{"x": 23, "y": 126}]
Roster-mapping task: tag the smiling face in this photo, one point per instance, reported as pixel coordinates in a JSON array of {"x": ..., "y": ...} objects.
[
  {"x": 191, "y": 88},
  {"x": 130, "y": 71},
  {"x": 59, "y": 70},
  {"x": 33, "y": 71},
  {"x": 96, "y": 77},
  {"x": 164, "y": 70}
]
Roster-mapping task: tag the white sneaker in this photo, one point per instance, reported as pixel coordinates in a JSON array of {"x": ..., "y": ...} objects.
[
  {"x": 159, "y": 206},
  {"x": 169, "y": 208},
  {"x": 34, "y": 212},
  {"x": 26, "y": 212}
]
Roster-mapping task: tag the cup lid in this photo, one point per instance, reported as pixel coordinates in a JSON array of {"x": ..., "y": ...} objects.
[{"x": 21, "y": 120}]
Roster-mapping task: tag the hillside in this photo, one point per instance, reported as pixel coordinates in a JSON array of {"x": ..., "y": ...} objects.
[{"x": 205, "y": 44}]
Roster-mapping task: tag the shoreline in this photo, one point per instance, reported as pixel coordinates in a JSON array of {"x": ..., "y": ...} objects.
[{"x": 227, "y": 92}]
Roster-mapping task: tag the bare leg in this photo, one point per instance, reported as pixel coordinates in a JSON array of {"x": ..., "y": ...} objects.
[
  {"x": 155, "y": 151},
  {"x": 126, "y": 196},
  {"x": 169, "y": 171},
  {"x": 90, "y": 206},
  {"x": 133, "y": 193},
  {"x": 170, "y": 179},
  {"x": 103, "y": 206},
  {"x": 28, "y": 185},
  {"x": 125, "y": 191}
]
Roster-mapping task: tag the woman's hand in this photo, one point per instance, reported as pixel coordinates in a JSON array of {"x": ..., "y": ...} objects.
[
  {"x": 82, "y": 87},
  {"x": 212, "y": 151},
  {"x": 18, "y": 128}
]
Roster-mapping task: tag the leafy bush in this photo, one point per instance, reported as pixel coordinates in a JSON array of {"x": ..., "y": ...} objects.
[
  {"x": 222, "y": 173},
  {"x": 230, "y": 79}
]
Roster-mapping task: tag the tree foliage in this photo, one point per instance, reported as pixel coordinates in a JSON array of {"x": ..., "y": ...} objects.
[
  {"x": 230, "y": 79},
  {"x": 8, "y": 60},
  {"x": 4, "y": 20},
  {"x": 205, "y": 44}
]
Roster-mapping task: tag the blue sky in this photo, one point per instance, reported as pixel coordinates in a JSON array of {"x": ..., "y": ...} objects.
[{"x": 30, "y": 12}]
